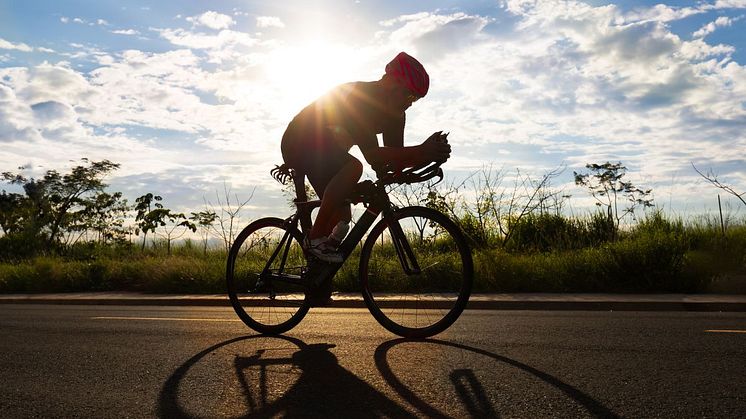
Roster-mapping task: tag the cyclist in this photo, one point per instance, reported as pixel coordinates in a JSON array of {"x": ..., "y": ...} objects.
[{"x": 317, "y": 143}]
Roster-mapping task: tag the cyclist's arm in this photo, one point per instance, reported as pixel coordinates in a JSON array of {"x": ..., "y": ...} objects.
[
  {"x": 393, "y": 135},
  {"x": 403, "y": 157}
]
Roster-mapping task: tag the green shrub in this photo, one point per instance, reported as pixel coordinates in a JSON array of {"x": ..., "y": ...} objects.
[
  {"x": 544, "y": 233},
  {"x": 599, "y": 228},
  {"x": 656, "y": 222},
  {"x": 647, "y": 262}
]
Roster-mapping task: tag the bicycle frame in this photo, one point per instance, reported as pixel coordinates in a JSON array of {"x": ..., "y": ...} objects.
[{"x": 376, "y": 202}]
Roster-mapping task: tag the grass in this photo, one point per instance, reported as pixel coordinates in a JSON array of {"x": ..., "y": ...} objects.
[{"x": 656, "y": 255}]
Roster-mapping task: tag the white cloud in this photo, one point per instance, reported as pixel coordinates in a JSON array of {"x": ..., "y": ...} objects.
[
  {"x": 405, "y": 18},
  {"x": 212, "y": 20},
  {"x": 432, "y": 35},
  {"x": 51, "y": 111},
  {"x": 16, "y": 119},
  {"x": 728, "y": 4},
  {"x": 661, "y": 13},
  {"x": 269, "y": 22},
  {"x": 13, "y": 46},
  {"x": 86, "y": 52},
  {"x": 64, "y": 19},
  {"x": 722, "y": 21},
  {"x": 125, "y": 32},
  {"x": 204, "y": 41},
  {"x": 623, "y": 81}
]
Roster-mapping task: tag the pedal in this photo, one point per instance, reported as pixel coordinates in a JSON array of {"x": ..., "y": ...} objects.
[{"x": 261, "y": 287}]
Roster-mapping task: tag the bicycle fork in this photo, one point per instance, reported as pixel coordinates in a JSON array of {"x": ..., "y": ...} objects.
[{"x": 404, "y": 251}]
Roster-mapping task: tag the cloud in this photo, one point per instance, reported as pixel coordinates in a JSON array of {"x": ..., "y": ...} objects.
[
  {"x": 197, "y": 40},
  {"x": 125, "y": 32},
  {"x": 52, "y": 111},
  {"x": 49, "y": 82},
  {"x": 81, "y": 21},
  {"x": 16, "y": 119},
  {"x": 661, "y": 13},
  {"x": 269, "y": 22},
  {"x": 433, "y": 35},
  {"x": 12, "y": 46},
  {"x": 722, "y": 21},
  {"x": 212, "y": 20},
  {"x": 728, "y": 4}
]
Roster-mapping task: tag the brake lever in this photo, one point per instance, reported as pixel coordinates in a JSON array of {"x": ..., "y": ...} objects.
[{"x": 439, "y": 174}]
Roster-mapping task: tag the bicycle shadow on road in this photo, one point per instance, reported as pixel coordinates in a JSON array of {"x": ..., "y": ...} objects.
[
  {"x": 475, "y": 399},
  {"x": 269, "y": 377}
]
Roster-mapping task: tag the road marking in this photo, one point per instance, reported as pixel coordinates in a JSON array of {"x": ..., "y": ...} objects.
[
  {"x": 171, "y": 319},
  {"x": 725, "y": 331}
]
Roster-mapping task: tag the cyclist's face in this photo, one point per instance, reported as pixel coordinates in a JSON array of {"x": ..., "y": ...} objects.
[{"x": 403, "y": 98}]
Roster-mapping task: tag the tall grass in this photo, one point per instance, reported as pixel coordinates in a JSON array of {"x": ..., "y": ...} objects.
[{"x": 546, "y": 253}]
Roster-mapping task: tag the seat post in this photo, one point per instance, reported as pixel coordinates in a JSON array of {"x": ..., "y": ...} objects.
[
  {"x": 299, "y": 180},
  {"x": 304, "y": 215}
]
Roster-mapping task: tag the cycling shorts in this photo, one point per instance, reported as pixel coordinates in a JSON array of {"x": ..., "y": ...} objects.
[{"x": 317, "y": 155}]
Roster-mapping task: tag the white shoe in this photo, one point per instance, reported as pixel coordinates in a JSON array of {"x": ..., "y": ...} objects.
[{"x": 321, "y": 249}]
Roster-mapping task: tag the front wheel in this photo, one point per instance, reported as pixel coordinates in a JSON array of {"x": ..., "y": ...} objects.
[
  {"x": 416, "y": 272},
  {"x": 264, "y": 276}
]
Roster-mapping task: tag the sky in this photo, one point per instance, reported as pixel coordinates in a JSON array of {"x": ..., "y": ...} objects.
[{"x": 192, "y": 97}]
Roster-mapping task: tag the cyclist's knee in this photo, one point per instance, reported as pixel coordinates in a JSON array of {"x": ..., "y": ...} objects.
[{"x": 355, "y": 168}]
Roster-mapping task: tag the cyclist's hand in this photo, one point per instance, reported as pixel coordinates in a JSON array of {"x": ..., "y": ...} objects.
[{"x": 436, "y": 148}]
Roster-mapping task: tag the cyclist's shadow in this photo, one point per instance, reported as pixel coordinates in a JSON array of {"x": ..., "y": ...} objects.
[
  {"x": 323, "y": 388},
  {"x": 471, "y": 393},
  {"x": 270, "y": 380}
]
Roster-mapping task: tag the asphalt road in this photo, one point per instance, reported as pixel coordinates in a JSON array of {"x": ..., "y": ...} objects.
[{"x": 118, "y": 361}]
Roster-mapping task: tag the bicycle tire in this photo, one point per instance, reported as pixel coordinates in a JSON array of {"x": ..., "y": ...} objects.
[
  {"x": 247, "y": 257},
  {"x": 441, "y": 290}
]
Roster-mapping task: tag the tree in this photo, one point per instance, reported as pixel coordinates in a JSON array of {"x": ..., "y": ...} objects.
[
  {"x": 51, "y": 199},
  {"x": 605, "y": 184},
  {"x": 175, "y": 225},
  {"x": 711, "y": 177},
  {"x": 204, "y": 220},
  {"x": 230, "y": 215},
  {"x": 104, "y": 213},
  {"x": 150, "y": 213},
  {"x": 11, "y": 218}
]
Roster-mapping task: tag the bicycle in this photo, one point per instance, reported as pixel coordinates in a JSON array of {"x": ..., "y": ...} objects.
[{"x": 415, "y": 268}]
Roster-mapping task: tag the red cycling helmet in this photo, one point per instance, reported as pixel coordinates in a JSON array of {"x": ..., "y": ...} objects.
[{"x": 408, "y": 72}]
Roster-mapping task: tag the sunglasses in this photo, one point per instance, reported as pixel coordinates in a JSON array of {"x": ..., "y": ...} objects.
[{"x": 409, "y": 96}]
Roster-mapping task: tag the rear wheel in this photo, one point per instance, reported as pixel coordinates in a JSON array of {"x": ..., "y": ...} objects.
[
  {"x": 416, "y": 272},
  {"x": 267, "y": 295}
]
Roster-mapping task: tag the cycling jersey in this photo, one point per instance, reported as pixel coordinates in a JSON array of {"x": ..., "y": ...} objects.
[{"x": 318, "y": 139}]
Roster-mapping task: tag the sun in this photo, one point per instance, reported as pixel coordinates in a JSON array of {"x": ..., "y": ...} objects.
[{"x": 303, "y": 72}]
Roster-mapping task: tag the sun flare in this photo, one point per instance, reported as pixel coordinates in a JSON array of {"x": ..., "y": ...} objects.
[{"x": 304, "y": 72}]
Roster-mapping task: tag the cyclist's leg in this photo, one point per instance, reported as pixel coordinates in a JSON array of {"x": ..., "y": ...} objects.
[
  {"x": 332, "y": 171},
  {"x": 334, "y": 181}
]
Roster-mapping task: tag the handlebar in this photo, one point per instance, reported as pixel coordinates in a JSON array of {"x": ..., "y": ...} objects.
[
  {"x": 387, "y": 175},
  {"x": 365, "y": 190},
  {"x": 411, "y": 175}
]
